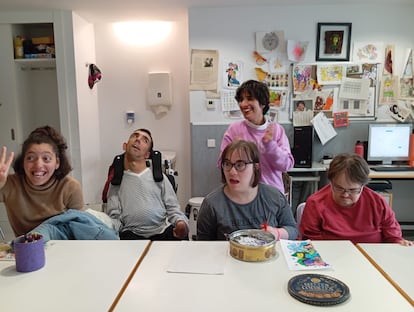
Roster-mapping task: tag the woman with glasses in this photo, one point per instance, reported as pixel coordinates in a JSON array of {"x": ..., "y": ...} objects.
[
  {"x": 243, "y": 202},
  {"x": 346, "y": 209}
]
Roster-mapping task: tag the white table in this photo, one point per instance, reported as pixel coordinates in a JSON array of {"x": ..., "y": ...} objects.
[
  {"x": 256, "y": 286},
  {"x": 395, "y": 262},
  {"x": 78, "y": 276}
]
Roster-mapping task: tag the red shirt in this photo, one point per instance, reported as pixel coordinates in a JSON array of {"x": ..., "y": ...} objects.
[{"x": 370, "y": 220}]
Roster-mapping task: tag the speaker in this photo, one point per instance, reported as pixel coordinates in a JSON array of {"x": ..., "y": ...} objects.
[{"x": 302, "y": 146}]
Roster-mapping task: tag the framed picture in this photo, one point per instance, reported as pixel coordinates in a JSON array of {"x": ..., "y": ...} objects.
[{"x": 333, "y": 42}]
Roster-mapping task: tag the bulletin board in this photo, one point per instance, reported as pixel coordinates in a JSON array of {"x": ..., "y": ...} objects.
[{"x": 349, "y": 90}]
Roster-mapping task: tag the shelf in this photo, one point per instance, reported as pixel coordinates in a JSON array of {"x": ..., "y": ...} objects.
[{"x": 36, "y": 64}]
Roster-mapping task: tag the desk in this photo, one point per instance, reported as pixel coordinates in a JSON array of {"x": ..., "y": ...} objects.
[
  {"x": 246, "y": 287},
  {"x": 391, "y": 174},
  {"x": 402, "y": 186},
  {"x": 78, "y": 276},
  {"x": 306, "y": 175},
  {"x": 395, "y": 262}
]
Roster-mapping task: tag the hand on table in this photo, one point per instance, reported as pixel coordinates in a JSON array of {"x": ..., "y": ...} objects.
[
  {"x": 180, "y": 230},
  {"x": 405, "y": 242},
  {"x": 5, "y": 165}
]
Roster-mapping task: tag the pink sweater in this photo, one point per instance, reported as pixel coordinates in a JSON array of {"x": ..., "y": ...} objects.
[
  {"x": 275, "y": 156},
  {"x": 370, "y": 220}
]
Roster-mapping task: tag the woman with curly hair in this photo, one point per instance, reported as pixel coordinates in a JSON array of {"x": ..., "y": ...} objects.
[{"x": 40, "y": 188}]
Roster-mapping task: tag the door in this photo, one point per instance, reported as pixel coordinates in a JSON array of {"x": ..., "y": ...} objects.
[{"x": 9, "y": 126}]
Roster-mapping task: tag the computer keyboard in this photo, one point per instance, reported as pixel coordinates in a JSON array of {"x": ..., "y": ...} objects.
[{"x": 392, "y": 168}]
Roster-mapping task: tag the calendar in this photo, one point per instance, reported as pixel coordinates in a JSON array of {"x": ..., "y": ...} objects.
[{"x": 228, "y": 102}]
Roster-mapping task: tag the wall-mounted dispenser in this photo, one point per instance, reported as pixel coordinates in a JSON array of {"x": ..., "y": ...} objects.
[
  {"x": 130, "y": 117},
  {"x": 159, "y": 92}
]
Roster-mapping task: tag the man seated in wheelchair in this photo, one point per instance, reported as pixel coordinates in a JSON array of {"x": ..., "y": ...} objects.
[{"x": 142, "y": 202}]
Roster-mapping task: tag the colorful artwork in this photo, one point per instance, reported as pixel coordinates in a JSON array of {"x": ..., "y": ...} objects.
[
  {"x": 333, "y": 42},
  {"x": 330, "y": 74},
  {"x": 277, "y": 98},
  {"x": 340, "y": 119},
  {"x": 302, "y": 255},
  {"x": 389, "y": 89},
  {"x": 233, "y": 73},
  {"x": 368, "y": 52},
  {"x": 301, "y": 77}
]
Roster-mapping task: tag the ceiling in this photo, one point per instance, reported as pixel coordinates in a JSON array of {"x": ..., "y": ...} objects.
[{"x": 97, "y": 11}]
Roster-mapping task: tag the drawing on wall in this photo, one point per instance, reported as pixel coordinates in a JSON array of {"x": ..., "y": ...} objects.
[
  {"x": 278, "y": 64},
  {"x": 273, "y": 114},
  {"x": 333, "y": 41},
  {"x": 260, "y": 73},
  {"x": 323, "y": 101},
  {"x": 260, "y": 60},
  {"x": 301, "y": 76},
  {"x": 269, "y": 41},
  {"x": 329, "y": 74},
  {"x": 276, "y": 81},
  {"x": 296, "y": 50},
  {"x": 388, "y": 90},
  {"x": 278, "y": 98},
  {"x": 388, "y": 61},
  {"x": 368, "y": 52},
  {"x": 363, "y": 71},
  {"x": 233, "y": 73},
  {"x": 340, "y": 119},
  {"x": 406, "y": 80},
  {"x": 204, "y": 69},
  {"x": 399, "y": 111}
]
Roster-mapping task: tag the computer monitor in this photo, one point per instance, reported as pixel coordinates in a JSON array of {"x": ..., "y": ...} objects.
[{"x": 388, "y": 143}]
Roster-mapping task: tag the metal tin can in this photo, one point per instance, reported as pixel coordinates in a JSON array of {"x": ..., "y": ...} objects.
[{"x": 252, "y": 245}]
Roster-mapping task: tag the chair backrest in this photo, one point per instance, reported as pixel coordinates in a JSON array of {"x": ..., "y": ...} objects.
[
  {"x": 286, "y": 184},
  {"x": 116, "y": 171},
  {"x": 299, "y": 212}
]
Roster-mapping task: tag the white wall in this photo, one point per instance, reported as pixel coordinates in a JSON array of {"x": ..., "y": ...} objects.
[
  {"x": 87, "y": 99},
  {"x": 123, "y": 87},
  {"x": 232, "y": 31}
]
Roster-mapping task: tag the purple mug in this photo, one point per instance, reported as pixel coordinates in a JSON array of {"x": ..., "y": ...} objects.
[{"x": 29, "y": 253}]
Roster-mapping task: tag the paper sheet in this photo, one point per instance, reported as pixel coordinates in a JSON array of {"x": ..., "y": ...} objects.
[
  {"x": 323, "y": 128},
  {"x": 204, "y": 69},
  {"x": 301, "y": 255},
  {"x": 199, "y": 258}
]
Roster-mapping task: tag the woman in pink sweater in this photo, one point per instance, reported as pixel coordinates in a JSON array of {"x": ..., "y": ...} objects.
[
  {"x": 269, "y": 136},
  {"x": 346, "y": 209}
]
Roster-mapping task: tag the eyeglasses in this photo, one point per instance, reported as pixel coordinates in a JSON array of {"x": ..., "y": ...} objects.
[
  {"x": 239, "y": 165},
  {"x": 341, "y": 190}
]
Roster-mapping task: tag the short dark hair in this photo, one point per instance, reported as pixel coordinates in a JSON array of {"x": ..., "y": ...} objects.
[
  {"x": 46, "y": 135},
  {"x": 255, "y": 89},
  {"x": 149, "y": 133},
  {"x": 250, "y": 150},
  {"x": 354, "y": 167}
]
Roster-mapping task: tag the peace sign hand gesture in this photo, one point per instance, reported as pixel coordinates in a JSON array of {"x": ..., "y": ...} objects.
[{"x": 5, "y": 165}]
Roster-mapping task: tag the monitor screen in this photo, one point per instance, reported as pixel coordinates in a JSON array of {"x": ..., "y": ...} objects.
[{"x": 388, "y": 142}]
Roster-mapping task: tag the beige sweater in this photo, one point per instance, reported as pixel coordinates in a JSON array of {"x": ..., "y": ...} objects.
[{"x": 27, "y": 206}]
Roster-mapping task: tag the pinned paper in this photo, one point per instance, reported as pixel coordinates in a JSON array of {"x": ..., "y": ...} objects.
[
  {"x": 323, "y": 128},
  {"x": 296, "y": 50}
]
